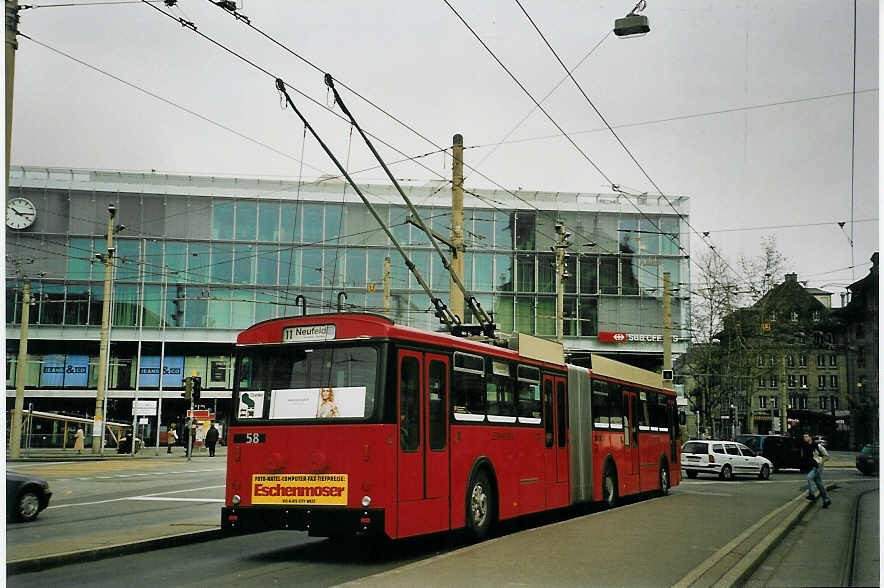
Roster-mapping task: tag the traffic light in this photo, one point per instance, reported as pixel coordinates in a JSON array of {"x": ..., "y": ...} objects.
[
  {"x": 188, "y": 389},
  {"x": 196, "y": 387}
]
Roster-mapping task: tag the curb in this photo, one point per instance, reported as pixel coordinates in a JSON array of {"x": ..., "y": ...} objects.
[{"x": 22, "y": 566}]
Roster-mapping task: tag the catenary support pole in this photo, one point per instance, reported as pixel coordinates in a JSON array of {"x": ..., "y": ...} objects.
[
  {"x": 456, "y": 300},
  {"x": 388, "y": 279},
  {"x": 667, "y": 324},
  {"x": 98, "y": 427},
  {"x": 21, "y": 374},
  {"x": 11, "y": 46}
]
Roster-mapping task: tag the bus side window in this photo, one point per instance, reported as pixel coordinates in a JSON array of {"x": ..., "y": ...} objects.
[
  {"x": 615, "y": 398},
  {"x": 499, "y": 390},
  {"x": 600, "y": 405},
  {"x": 468, "y": 384},
  {"x": 643, "y": 419},
  {"x": 438, "y": 386},
  {"x": 529, "y": 392}
]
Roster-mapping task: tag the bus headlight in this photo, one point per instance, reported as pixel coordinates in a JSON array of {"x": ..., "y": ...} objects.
[
  {"x": 366, "y": 501},
  {"x": 235, "y": 500}
]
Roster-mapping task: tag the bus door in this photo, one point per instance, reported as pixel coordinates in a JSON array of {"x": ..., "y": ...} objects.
[
  {"x": 563, "y": 462},
  {"x": 634, "y": 419},
  {"x": 416, "y": 513},
  {"x": 555, "y": 480}
]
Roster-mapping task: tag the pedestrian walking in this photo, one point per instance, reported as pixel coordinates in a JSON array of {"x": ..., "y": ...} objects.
[
  {"x": 813, "y": 456},
  {"x": 211, "y": 439},
  {"x": 171, "y": 437},
  {"x": 78, "y": 441}
]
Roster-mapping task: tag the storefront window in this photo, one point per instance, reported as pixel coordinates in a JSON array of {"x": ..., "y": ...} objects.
[
  {"x": 244, "y": 264},
  {"x": 589, "y": 274},
  {"x": 218, "y": 308},
  {"x": 525, "y": 272},
  {"x": 290, "y": 222},
  {"x": 503, "y": 272},
  {"x": 246, "y": 220}
]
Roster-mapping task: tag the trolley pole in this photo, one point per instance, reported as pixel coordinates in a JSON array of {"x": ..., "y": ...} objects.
[
  {"x": 455, "y": 296},
  {"x": 21, "y": 374},
  {"x": 98, "y": 427}
]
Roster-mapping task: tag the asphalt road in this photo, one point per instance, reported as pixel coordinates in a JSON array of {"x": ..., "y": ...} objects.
[
  {"x": 671, "y": 535},
  {"x": 98, "y": 503}
]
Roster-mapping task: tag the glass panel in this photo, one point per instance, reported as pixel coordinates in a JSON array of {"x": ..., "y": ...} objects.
[
  {"x": 409, "y": 405},
  {"x": 125, "y": 306},
  {"x": 246, "y": 220},
  {"x": 242, "y": 307},
  {"x": 546, "y": 230},
  {"x": 483, "y": 230},
  {"x": 268, "y": 259},
  {"x": 483, "y": 265},
  {"x": 525, "y": 231},
  {"x": 290, "y": 222},
  {"x": 176, "y": 257},
  {"x": 589, "y": 274},
  {"x": 503, "y": 272},
  {"x": 268, "y": 221},
  {"x": 198, "y": 263},
  {"x": 398, "y": 226},
  {"x": 311, "y": 267},
  {"x": 546, "y": 273},
  {"x": 218, "y": 308},
  {"x": 548, "y": 413},
  {"x": 503, "y": 229},
  {"x": 153, "y": 306},
  {"x": 608, "y": 275},
  {"x": 570, "y": 274},
  {"x": 629, "y": 281},
  {"x": 244, "y": 264},
  {"x": 51, "y": 304},
  {"x": 362, "y": 228},
  {"x": 569, "y": 323},
  {"x": 334, "y": 223},
  {"x": 76, "y": 308},
  {"x": 153, "y": 261},
  {"x": 669, "y": 225},
  {"x": 313, "y": 223},
  {"x": 438, "y": 401},
  {"x": 588, "y": 317},
  {"x": 649, "y": 238},
  {"x": 440, "y": 278},
  {"x": 375, "y": 267},
  {"x": 98, "y": 246},
  {"x": 398, "y": 272},
  {"x": 525, "y": 272},
  {"x": 649, "y": 282},
  {"x": 222, "y": 219},
  {"x": 421, "y": 260},
  {"x": 195, "y": 307},
  {"x": 503, "y": 313},
  {"x": 628, "y": 230},
  {"x": 222, "y": 262},
  {"x": 672, "y": 266},
  {"x": 418, "y": 237},
  {"x": 265, "y": 306},
  {"x": 79, "y": 259},
  {"x": 546, "y": 316},
  {"x": 176, "y": 300},
  {"x": 525, "y": 315},
  {"x": 289, "y": 266},
  {"x": 562, "y": 414}
]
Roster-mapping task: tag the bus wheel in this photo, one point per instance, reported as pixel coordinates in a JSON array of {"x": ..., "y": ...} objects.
[
  {"x": 609, "y": 488},
  {"x": 480, "y": 505},
  {"x": 664, "y": 479}
]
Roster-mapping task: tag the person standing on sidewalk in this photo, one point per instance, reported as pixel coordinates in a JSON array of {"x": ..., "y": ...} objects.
[
  {"x": 78, "y": 441},
  {"x": 212, "y": 439},
  {"x": 171, "y": 437},
  {"x": 813, "y": 456}
]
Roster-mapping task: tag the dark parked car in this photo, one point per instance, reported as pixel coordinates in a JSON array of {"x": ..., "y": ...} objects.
[
  {"x": 784, "y": 452},
  {"x": 26, "y": 496},
  {"x": 867, "y": 460}
]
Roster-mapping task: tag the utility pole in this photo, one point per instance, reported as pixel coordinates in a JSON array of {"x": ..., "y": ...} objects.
[
  {"x": 11, "y": 47},
  {"x": 784, "y": 399},
  {"x": 562, "y": 243},
  {"x": 21, "y": 372},
  {"x": 188, "y": 396},
  {"x": 667, "y": 327},
  {"x": 388, "y": 280},
  {"x": 455, "y": 296},
  {"x": 98, "y": 427}
]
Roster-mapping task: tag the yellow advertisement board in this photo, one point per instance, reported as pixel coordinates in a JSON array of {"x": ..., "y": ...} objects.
[{"x": 312, "y": 489}]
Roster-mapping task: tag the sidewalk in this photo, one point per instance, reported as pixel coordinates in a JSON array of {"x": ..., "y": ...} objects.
[{"x": 110, "y": 453}]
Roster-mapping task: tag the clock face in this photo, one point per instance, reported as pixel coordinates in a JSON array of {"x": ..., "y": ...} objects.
[{"x": 20, "y": 213}]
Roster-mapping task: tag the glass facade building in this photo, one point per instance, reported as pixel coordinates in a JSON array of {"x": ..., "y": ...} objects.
[{"x": 201, "y": 258}]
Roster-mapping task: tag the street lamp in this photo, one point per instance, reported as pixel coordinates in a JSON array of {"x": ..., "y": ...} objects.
[{"x": 633, "y": 25}]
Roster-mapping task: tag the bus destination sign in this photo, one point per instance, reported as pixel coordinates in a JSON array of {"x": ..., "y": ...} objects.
[{"x": 308, "y": 333}]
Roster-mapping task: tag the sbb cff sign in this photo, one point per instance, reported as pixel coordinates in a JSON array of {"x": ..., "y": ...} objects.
[{"x": 619, "y": 337}]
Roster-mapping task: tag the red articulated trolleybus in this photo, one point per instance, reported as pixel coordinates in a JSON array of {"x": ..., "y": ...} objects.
[{"x": 349, "y": 424}]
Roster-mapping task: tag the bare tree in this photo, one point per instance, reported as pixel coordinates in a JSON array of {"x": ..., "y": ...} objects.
[{"x": 763, "y": 272}]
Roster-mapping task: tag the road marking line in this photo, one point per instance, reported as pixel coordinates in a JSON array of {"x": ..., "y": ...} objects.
[
  {"x": 130, "y": 497},
  {"x": 169, "y": 499}
]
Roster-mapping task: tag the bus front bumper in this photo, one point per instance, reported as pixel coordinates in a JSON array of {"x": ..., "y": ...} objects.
[{"x": 318, "y": 522}]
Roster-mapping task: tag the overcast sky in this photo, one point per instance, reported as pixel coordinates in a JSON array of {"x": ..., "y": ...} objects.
[{"x": 762, "y": 163}]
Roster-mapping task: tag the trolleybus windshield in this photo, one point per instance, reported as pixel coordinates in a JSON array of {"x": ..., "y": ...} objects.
[{"x": 307, "y": 384}]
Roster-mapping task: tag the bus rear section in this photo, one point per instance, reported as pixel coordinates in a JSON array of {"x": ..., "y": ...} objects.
[{"x": 307, "y": 446}]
